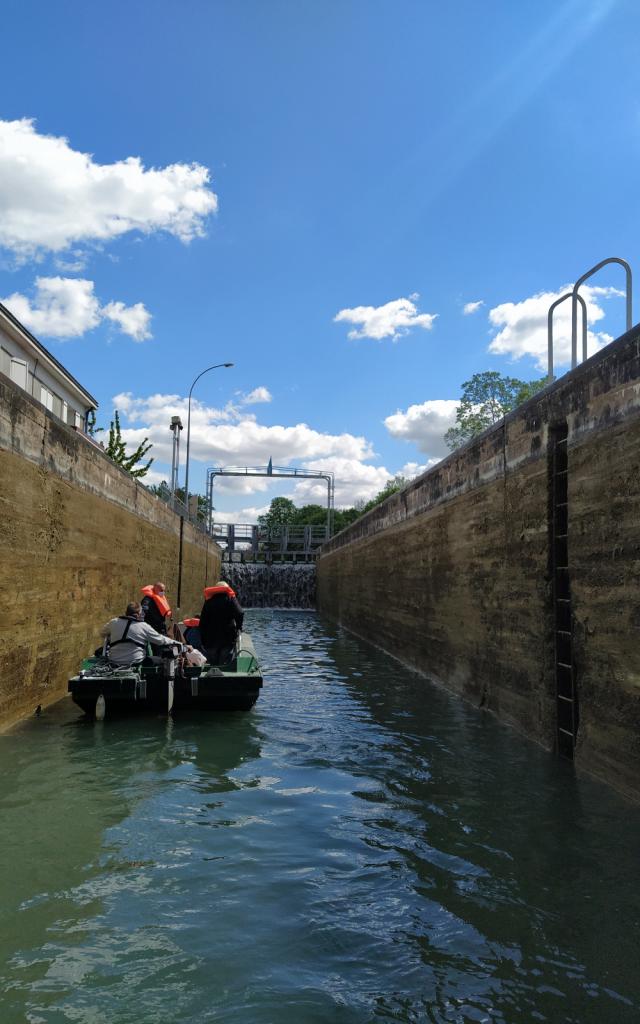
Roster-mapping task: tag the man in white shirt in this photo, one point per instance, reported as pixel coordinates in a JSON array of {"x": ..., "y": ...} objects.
[{"x": 128, "y": 636}]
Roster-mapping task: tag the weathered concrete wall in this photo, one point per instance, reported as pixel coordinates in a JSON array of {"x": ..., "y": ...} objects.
[
  {"x": 78, "y": 538},
  {"x": 453, "y": 574}
]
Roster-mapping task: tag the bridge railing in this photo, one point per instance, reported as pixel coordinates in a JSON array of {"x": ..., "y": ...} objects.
[{"x": 275, "y": 540}]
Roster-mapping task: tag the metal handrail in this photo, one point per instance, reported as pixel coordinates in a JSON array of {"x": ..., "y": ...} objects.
[
  {"x": 574, "y": 302},
  {"x": 567, "y": 295}
]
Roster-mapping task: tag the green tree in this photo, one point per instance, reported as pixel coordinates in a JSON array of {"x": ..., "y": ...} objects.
[
  {"x": 310, "y": 515},
  {"x": 163, "y": 491},
  {"x": 282, "y": 512},
  {"x": 486, "y": 398},
  {"x": 92, "y": 428},
  {"x": 396, "y": 483},
  {"x": 116, "y": 449}
]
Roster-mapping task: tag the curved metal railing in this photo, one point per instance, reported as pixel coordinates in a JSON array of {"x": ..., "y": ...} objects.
[
  {"x": 567, "y": 295},
  {"x": 574, "y": 302}
]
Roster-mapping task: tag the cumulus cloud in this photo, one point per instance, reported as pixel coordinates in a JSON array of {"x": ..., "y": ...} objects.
[
  {"x": 229, "y": 437},
  {"x": 472, "y": 307},
  {"x": 256, "y": 396},
  {"x": 132, "y": 320},
  {"x": 425, "y": 425},
  {"x": 393, "y": 320},
  {"x": 354, "y": 481},
  {"x": 523, "y": 325},
  {"x": 66, "y": 307},
  {"x": 225, "y": 437},
  {"x": 53, "y": 196}
]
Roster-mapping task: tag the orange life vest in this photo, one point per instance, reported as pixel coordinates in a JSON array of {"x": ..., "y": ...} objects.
[
  {"x": 191, "y": 622},
  {"x": 161, "y": 602},
  {"x": 210, "y": 591}
]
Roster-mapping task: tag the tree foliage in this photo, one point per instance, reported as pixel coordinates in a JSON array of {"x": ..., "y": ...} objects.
[
  {"x": 396, "y": 483},
  {"x": 163, "y": 491},
  {"x": 282, "y": 512},
  {"x": 116, "y": 449},
  {"x": 486, "y": 398}
]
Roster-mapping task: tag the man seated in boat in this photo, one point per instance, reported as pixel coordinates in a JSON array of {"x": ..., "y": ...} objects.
[
  {"x": 128, "y": 636},
  {"x": 221, "y": 620}
]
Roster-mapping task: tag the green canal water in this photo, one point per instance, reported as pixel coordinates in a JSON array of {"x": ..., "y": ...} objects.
[{"x": 360, "y": 847}]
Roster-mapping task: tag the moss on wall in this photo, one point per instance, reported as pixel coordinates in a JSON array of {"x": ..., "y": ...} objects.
[
  {"x": 453, "y": 574},
  {"x": 78, "y": 539}
]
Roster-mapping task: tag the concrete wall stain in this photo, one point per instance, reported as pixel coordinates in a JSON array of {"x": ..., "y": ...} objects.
[
  {"x": 78, "y": 539},
  {"x": 452, "y": 575}
]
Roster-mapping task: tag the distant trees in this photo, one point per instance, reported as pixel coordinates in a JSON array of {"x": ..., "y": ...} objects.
[
  {"x": 163, "y": 491},
  {"x": 486, "y": 398},
  {"x": 283, "y": 512}
]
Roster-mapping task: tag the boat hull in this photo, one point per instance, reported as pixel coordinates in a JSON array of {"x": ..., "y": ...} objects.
[{"x": 232, "y": 687}]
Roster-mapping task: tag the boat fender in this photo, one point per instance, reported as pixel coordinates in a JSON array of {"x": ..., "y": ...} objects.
[{"x": 100, "y": 708}]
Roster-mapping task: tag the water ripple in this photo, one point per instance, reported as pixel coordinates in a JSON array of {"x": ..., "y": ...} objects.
[{"x": 360, "y": 848}]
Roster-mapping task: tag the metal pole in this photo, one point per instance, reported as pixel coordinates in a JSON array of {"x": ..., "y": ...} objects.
[
  {"x": 186, "y": 480},
  {"x": 186, "y": 470}
]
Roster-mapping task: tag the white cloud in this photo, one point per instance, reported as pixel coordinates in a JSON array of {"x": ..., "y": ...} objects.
[
  {"x": 413, "y": 469},
  {"x": 256, "y": 396},
  {"x": 225, "y": 437},
  {"x": 392, "y": 320},
  {"x": 524, "y": 326},
  {"x": 229, "y": 437},
  {"x": 133, "y": 320},
  {"x": 66, "y": 307},
  {"x": 53, "y": 196},
  {"x": 354, "y": 481},
  {"x": 472, "y": 307},
  {"x": 63, "y": 307},
  {"x": 425, "y": 425}
]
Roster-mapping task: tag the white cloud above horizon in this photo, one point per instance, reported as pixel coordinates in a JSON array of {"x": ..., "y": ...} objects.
[
  {"x": 257, "y": 396},
  {"x": 53, "y": 196},
  {"x": 472, "y": 307},
  {"x": 425, "y": 425},
  {"x": 391, "y": 320},
  {"x": 523, "y": 325},
  {"x": 227, "y": 437},
  {"x": 67, "y": 307}
]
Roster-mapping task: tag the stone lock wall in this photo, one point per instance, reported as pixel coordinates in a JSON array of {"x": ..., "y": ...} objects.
[
  {"x": 78, "y": 539},
  {"x": 453, "y": 574}
]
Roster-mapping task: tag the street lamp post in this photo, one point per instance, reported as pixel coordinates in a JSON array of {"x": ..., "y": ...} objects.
[{"x": 186, "y": 471}]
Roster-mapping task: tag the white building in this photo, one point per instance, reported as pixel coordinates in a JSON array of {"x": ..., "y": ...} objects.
[{"x": 28, "y": 364}]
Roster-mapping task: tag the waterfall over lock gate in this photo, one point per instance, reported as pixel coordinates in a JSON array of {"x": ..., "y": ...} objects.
[{"x": 279, "y": 585}]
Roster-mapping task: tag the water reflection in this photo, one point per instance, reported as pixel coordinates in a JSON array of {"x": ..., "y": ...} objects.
[{"x": 360, "y": 847}]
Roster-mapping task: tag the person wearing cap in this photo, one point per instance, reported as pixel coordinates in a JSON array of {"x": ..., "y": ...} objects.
[{"x": 221, "y": 620}]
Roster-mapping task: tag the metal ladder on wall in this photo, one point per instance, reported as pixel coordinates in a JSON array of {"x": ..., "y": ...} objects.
[{"x": 566, "y": 694}]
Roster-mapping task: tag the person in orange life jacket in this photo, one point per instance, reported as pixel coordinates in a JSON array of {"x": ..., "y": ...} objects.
[
  {"x": 156, "y": 607},
  {"x": 192, "y": 633},
  {"x": 221, "y": 620},
  {"x": 128, "y": 636}
]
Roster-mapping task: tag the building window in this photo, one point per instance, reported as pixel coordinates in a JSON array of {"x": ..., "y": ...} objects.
[
  {"x": 77, "y": 421},
  {"x": 19, "y": 373},
  {"x": 5, "y": 361},
  {"x": 65, "y": 412},
  {"x": 46, "y": 398}
]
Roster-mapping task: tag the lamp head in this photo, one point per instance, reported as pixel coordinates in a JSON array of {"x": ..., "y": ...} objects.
[{"x": 227, "y": 364}]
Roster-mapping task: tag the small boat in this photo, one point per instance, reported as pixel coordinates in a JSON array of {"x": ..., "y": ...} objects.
[{"x": 101, "y": 689}]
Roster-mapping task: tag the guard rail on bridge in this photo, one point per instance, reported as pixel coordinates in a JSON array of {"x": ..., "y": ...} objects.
[{"x": 247, "y": 543}]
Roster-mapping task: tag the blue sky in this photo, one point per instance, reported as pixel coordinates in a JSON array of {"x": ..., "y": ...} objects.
[{"x": 383, "y": 163}]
